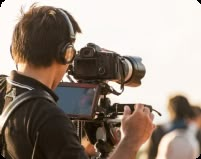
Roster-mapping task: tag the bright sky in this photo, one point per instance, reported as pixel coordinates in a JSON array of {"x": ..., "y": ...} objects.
[{"x": 165, "y": 34}]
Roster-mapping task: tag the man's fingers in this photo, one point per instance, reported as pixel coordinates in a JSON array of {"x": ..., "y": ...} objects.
[
  {"x": 146, "y": 110},
  {"x": 139, "y": 107},
  {"x": 127, "y": 111},
  {"x": 152, "y": 116}
]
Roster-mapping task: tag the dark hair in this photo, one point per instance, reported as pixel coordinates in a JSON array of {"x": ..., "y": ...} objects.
[
  {"x": 180, "y": 108},
  {"x": 197, "y": 110},
  {"x": 40, "y": 34}
]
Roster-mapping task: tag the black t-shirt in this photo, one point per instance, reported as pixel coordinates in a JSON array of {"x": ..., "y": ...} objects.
[{"x": 39, "y": 127}]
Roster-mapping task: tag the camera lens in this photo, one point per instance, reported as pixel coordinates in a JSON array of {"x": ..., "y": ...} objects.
[{"x": 134, "y": 71}]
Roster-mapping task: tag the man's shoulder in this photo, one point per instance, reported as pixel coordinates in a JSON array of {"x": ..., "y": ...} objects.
[
  {"x": 40, "y": 113},
  {"x": 41, "y": 105},
  {"x": 43, "y": 110}
]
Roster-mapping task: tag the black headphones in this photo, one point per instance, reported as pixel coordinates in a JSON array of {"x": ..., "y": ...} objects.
[
  {"x": 70, "y": 26},
  {"x": 63, "y": 57}
]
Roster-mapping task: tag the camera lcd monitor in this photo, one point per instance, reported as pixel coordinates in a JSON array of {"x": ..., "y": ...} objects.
[{"x": 78, "y": 100}]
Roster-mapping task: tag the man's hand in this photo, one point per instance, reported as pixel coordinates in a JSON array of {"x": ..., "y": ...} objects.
[{"x": 137, "y": 127}]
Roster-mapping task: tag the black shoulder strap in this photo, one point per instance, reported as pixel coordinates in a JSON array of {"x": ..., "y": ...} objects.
[
  {"x": 3, "y": 87},
  {"x": 18, "y": 101}
]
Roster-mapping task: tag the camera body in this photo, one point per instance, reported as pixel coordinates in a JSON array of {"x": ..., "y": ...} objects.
[{"x": 92, "y": 62}]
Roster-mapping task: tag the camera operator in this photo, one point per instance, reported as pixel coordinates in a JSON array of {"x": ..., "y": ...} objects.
[{"x": 42, "y": 48}]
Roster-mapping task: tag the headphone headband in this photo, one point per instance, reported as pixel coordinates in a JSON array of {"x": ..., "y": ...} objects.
[{"x": 70, "y": 26}]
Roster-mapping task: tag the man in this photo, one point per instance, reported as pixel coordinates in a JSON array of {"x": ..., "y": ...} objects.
[{"x": 42, "y": 48}]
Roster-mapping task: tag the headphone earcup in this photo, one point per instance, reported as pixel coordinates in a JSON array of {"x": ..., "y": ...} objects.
[
  {"x": 62, "y": 54},
  {"x": 67, "y": 54},
  {"x": 11, "y": 51}
]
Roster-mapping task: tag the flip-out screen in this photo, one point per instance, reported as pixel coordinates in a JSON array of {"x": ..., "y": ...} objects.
[{"x": 78, "y": 100}]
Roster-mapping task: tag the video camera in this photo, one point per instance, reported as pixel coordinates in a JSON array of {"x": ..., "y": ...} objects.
[
  {"x": 85, "y": 100},
  {"x": 93, "y": 63}
]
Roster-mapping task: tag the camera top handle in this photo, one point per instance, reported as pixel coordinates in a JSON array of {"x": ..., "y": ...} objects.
[{"x": 119, "y": 108}]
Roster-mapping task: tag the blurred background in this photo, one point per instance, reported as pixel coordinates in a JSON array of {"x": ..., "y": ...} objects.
[{"x": 165, "y": 34}]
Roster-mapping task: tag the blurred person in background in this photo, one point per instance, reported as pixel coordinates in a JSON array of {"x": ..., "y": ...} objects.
[
  {"x": 197, "y": 119},
  {"x": 182, "y": 143},
  {"x": 180, "y": 112}
]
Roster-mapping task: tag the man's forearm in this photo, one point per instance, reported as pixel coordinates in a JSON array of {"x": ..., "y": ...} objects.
[{"x": 125, "y": 150}]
